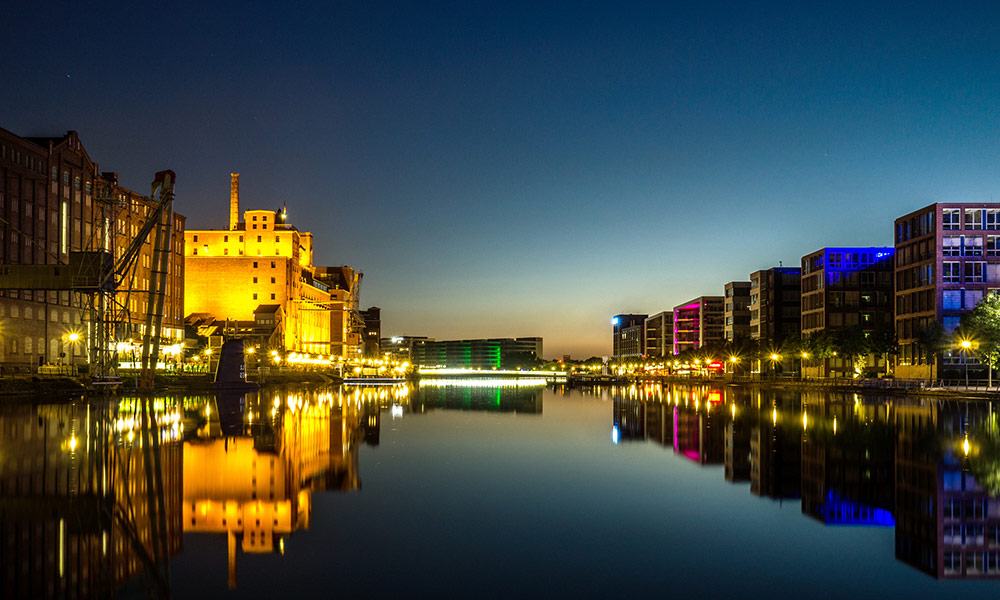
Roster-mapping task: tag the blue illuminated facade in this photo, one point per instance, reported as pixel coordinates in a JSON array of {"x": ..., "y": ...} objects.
[{"x": 847, "y": 287}]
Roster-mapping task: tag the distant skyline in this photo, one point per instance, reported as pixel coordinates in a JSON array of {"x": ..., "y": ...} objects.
[{"x": 530, "y": 169}]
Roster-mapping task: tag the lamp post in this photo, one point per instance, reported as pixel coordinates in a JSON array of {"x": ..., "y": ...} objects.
[
  {"x": 966, "y": 344},
  {"x": 774, "y": 363}
]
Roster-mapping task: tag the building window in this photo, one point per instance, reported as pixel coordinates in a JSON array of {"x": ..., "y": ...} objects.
[
  {"x": 255, "y": 227},
  {"x": 951, "y": 219},
  {"x": 255, "y": 296},
  {"x": 55, "y": 174},
  {"x": 272, "y": 280},
  {"x": 264, "y": 218},
  {"x": 255, "y": 218},
  {"x": 264, "y": 226},
  {"x": 255, "y": 265},
  {"x": 951, "y": 245},
  {"x": 65, "y": 177},
  {"x": 225, "y": 238},
  {"x": 277, "y": 238},
  {"x": 992, "y": 219},
  {"x": 973, "y": 245},
  {"x": 272, "y": 264},
  {"x": 195, "y": 239},
  {"x": 258, "y": 237},
  {"x": 951, "y": 272},
  {"x": 225, "y": 251},
  {"x": 76, "y": 183},
  {"x": 973, "y": 218},
  {"x": 194, "y": 252},
  {"x": 255, "y": 280},
  {"x": 241, "y": 238},
  {"x": 972, "y": 298},
  {"x": 993, "y": 245},
  {"x": 951, "y": 300},
  {"x": 272, "y": 296},
  {"x": 974, "y": 272}
]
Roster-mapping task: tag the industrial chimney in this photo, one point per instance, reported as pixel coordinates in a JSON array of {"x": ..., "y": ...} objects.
[{"x": 234, "y": 201}]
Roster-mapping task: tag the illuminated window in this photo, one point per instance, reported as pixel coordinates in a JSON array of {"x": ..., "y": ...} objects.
[
  {"x": 76, "y": 183},
  {"x": 951, "y": 300},
  {"x": 951, "y": 245},
  {"x": 65, "y": 177},
  {"x": 972, "y": 298}
]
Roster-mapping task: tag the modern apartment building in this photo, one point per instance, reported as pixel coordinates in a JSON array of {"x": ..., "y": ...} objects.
[
  {"x": 698, "y": 322},
  {"x": 628, "y": 336},
  {"x": 737, "y": 310},
  {"x": 947, "y": 258},
  {"x": 660, "y": 335},
  {"x": 846, "y": 287},
  {"x": 775, "y": 308}
]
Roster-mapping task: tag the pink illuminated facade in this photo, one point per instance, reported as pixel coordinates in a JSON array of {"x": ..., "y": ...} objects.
[{"x": 698, "y": 322}]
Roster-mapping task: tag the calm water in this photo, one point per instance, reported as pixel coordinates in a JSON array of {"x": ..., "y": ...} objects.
[{"x": 500, "y": 491}]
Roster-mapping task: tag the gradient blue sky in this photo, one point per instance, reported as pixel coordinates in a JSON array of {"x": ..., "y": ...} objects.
[{"x": 513, "y": 169}]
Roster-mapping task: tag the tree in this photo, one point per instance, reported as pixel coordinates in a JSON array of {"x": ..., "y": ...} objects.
[
  {"x": 882, "y": 343},
  {"x": 852, "y": 344},
  {"x": 983, "y": 325},
  {"x": 932, "y": 339}
]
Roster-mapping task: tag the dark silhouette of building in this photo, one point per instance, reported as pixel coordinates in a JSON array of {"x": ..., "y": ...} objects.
[{"x": 372, "y": 332}]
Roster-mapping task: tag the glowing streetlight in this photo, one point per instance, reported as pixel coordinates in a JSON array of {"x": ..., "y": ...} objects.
[
  {"x": 965, "y": 344},
  {"x": 73, "y": 337}
]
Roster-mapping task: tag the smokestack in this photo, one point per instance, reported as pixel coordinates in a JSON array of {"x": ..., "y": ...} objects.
[{"x": 234, "y": 201}]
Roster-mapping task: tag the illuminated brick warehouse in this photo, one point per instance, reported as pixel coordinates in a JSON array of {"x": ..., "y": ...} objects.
[{"x": 258, "y": 278}]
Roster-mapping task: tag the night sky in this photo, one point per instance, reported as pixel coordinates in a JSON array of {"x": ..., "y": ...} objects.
[{"x": 515, "y": 169}]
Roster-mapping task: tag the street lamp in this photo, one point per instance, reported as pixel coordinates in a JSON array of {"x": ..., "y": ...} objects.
[{"x": 966, "y": 344}]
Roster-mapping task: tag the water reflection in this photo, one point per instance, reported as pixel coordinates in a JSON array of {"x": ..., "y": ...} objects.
[
  {"x": 512, "y": 395},
  {"x": 90, "y": 495},
  {"x": 917, "y": 465}
]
